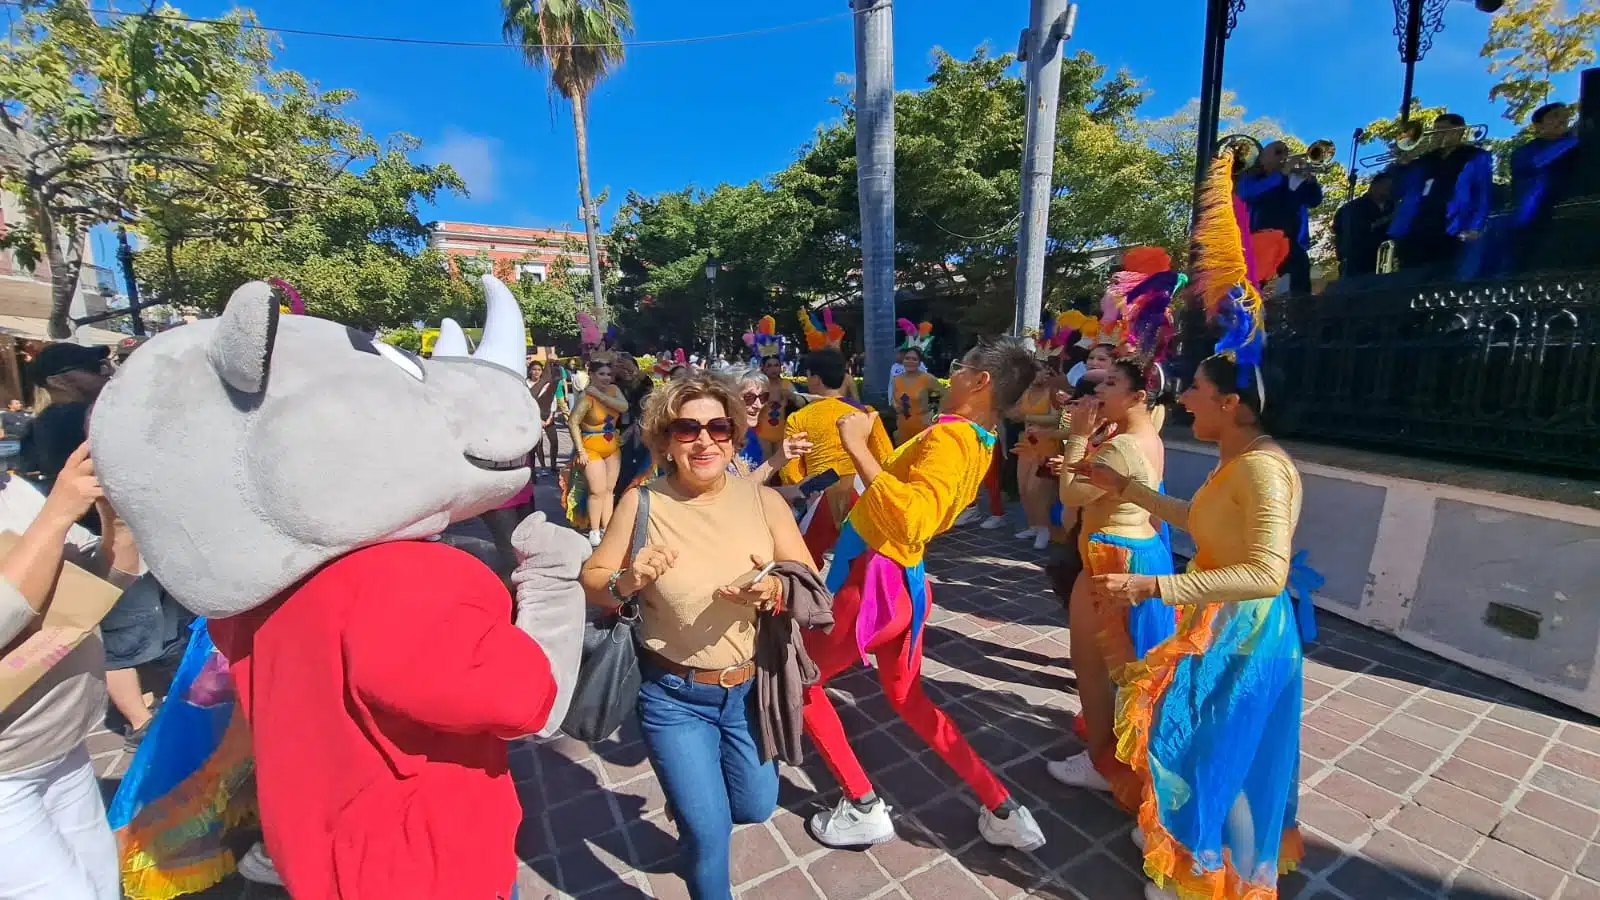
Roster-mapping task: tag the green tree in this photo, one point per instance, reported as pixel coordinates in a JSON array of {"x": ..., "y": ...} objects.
[
  {"x": 578, "y": 43},
  {"x": 359, "y": 256},
  {"x": 1532, "y": 41},
  {"x": 155, "y": 115}
]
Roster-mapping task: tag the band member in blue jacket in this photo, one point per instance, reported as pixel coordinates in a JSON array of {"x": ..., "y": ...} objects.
[
  {"x": 1281, "y": 196},
  {"x": 1444, "y": 199},
  {"x": 1541, "y": 176}
]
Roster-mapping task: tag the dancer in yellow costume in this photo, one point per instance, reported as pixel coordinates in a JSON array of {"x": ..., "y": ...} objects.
[
  {"x": 818, "y": 423},
  {"x": 767, "y": 346},
  {"x": 913, "y": 392},
  {"x": 1039, "y": 417},
  {"x": 593, "y": 424}
]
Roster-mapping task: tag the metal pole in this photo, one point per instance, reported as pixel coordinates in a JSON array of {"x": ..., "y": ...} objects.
[
  {"x": 1412, "y": 53},
  {"x": 1049, "y": 27},
  {"x": 1210, "y": 93},
  {"x": 874, "y": 101}
]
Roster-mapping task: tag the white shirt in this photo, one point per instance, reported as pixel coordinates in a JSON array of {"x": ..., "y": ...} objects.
[{"x": 895, "y": 371}]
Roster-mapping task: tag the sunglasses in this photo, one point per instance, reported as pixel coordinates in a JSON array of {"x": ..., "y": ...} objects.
[
  {"x": 686, "y": 431},
  {"x": 762, "y": 397}
]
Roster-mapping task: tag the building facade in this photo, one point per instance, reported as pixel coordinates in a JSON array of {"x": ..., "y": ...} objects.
[
  {"x": 25, "y": 295},
  {"x": 537, "y": 253}
]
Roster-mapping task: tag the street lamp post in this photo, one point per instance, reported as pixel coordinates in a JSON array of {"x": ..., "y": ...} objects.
[{"x": 712, "y": 265}]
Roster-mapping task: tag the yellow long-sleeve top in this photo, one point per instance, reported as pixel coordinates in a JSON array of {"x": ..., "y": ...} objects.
[
  {"x": 1102, "y": 511},
  {"x": 819, "y": 421},
  {"x": 1242, "y": 521},
  {"x": 925, "y": 484}
]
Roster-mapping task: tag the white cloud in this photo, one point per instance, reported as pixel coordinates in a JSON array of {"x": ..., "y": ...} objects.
[{"x": 475, "y": 157}]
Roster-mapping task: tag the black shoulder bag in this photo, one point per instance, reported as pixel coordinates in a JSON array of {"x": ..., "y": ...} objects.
[{"x": 608, "y": 677}]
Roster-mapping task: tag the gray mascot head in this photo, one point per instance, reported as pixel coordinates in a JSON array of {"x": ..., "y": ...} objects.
[{"x": 248, "y": 450}]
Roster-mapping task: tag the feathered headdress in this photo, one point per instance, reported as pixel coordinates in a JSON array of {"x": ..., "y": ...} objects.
[
  {"x": 765, "y": 342},
  {"x": 821, "y": 335},
  {"x": 1138, "y": 264},
  {"x": 1072, "y": 322},
  {"x": 295, "y": 306},
  {"x": 1147, "y": 322},
  {"x": 918, "y": 337},
  {"x": 1224, "y": 273},
  {"x": 669, "y": 361}
]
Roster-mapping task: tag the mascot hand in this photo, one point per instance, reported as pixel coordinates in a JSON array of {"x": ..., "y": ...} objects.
[{"x": 550, "y": 604}]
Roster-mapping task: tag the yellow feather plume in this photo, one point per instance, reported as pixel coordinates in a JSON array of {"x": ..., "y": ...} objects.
[{"x": 1219, "y": 260}]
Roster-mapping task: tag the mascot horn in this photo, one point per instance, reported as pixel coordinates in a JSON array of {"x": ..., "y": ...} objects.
[{"x": 278, "y": 472}]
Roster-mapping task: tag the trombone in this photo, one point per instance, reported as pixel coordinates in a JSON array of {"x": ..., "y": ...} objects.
[
  {"x": 1414, "y": 140},
  {"x": 1246, "y": 150}
]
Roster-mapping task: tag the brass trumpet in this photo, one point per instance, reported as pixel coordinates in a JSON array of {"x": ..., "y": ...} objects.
[
  {"x": 1414, "y": 140},
  {"x": 1246, "y": 150}
]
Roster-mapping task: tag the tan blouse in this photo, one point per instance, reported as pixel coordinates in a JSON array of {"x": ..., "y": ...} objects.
[
  {"x": 715, "y": 535},
  {"x": 1102, "y": 512}
]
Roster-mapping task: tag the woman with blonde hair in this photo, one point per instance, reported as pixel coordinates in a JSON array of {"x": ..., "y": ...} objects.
[{"x": 707, "y": 532}]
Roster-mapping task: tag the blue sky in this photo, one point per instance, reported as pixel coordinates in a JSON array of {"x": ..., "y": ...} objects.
[{"x": 735, "y": 110}]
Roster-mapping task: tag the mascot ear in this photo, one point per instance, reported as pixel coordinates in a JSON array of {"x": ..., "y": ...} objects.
[{"x": 241, "y": 347}]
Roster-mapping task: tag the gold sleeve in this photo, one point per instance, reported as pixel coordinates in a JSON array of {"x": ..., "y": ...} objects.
[
  {"x": 1077, "y": 491},
  {"x": 1171, "y": 510},
  {"x": 793, "y": 471},
  {"x": 1265, "y": 486}
]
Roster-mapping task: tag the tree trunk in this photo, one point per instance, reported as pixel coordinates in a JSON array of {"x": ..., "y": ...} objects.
[
  {"x": 580, "y": 127},
  {"x": 874, "y": 101},
  {"x": 65, "y": 266}
]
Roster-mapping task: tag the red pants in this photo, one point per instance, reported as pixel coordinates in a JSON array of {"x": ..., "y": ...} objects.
[
  {"x": 991, "y": 482},
  {"x": 899, "y": 671},
  {"x": 823, "y": 530}
]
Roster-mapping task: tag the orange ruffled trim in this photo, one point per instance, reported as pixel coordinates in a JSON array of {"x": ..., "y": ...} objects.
[
  {"x": 1116, "y": 648},
  {"x": 1166, "y": 861},
  {"x": 184, "y": 813}
]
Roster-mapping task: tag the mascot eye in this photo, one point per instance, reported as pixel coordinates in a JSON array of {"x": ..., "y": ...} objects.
[{"x": 400, "y": 358}]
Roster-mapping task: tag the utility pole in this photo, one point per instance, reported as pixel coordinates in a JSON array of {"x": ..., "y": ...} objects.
[
  {"x": 874, "y": 34},
  {"x": 1049, "y": 27}
]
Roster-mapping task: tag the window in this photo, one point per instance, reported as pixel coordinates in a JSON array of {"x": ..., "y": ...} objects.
[{"x": 534, "y": 271}]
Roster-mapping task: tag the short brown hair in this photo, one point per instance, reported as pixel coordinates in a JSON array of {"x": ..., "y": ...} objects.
[{"x": 667, "y": 401}]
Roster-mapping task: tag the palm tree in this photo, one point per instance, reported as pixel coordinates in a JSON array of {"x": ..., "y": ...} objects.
[{"x": 577, "y": 43}]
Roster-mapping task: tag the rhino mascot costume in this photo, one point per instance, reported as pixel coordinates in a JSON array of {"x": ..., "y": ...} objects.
[{"x": 281, "y": 473}]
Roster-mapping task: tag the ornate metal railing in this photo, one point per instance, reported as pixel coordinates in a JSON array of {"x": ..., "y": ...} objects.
[{"x": 1505, "y": 370}]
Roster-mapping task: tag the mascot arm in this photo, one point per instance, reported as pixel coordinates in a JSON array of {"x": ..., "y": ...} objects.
[
  {"x": 439, "y": 650},
  {"x": 550, "y": 601}
]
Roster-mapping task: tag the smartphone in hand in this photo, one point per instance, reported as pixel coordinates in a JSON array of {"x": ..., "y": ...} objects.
[
  {"x": 753, "y": 576},
  {"x": 818, "y": 483}
]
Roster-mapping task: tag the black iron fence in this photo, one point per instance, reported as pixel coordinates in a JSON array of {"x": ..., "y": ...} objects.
[{"x": 1505, "y": 370}]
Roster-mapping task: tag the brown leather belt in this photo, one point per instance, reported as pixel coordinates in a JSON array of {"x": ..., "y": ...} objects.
[{"x": 731, "y": 677}]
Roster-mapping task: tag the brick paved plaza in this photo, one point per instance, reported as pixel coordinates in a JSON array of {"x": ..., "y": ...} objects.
[{"x": 1420, "y": 778}]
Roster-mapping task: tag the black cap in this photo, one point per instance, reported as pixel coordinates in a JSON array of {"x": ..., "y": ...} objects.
[{"x": 58, "y": 358}]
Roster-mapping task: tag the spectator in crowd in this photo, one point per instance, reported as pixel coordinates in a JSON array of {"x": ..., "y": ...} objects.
[
  {"x": 1541, "y": 176},
  {"x": 1280, "y": 196},
  {"x": 1360, "y": 227},
  {"x": 16, "y": 421},
  {"x": 74, "y": 375},
  {"x": 705, "y": 529},
  {"x": 55, "y": 840}
]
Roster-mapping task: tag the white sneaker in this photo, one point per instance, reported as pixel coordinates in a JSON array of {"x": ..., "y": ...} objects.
[
  {"x": 594, "y": 537},
  {"x": 256, "y": 866},
  {"x": 1077, "y": 771},
  {"x": 1018, "y": 830},
  {"x": 1041, "y": 540},
  {"x": 971, "y": 515},
  {"x": 1138, "y": 838},
  {"x": 993, "y": 522},
  {"x": 1026, "y": 534},
  {"x": 1151, "y": 892},
  {"x": 847, "y": 827}
]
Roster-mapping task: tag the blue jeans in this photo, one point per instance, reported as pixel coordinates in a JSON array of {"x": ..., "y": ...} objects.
[{"x": 702, "y": 743}]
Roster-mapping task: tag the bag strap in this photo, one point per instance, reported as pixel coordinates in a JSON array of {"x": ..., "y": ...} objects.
[{"x": 641, "y": 523}]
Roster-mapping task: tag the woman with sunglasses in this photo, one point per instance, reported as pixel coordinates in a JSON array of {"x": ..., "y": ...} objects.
[
  {"x": 595, "y": 448},
  {"x": 706, "y": 528},
  {"x": 752, "y": 460}
]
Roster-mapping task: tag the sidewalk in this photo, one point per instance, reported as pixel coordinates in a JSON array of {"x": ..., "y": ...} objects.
[{"x": 1419, "y": 778}]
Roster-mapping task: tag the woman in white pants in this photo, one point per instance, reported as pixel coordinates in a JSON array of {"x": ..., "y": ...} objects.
[{"x": 55, "y": 841}]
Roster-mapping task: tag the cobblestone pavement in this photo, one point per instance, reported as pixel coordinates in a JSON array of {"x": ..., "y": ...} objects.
[{"x": 1420, "y": 778}]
